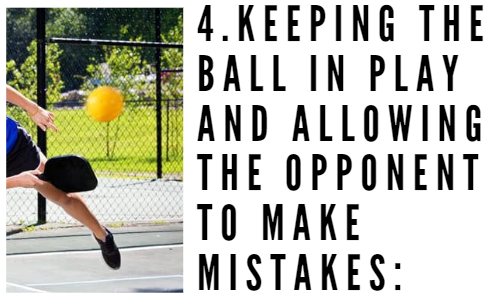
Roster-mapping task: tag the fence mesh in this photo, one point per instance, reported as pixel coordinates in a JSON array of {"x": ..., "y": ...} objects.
[{"x": 123, "y": 152}]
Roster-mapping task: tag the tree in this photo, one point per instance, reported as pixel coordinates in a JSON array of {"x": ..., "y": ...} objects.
[
  {"x": 24, "y": 78},
  {"x": 21, "y": 30}
]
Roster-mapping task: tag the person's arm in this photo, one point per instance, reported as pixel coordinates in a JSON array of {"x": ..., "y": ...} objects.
[
  {"x": 25, "y": 179},
  {"x": 13, "y": 182},
  {"x": 44, "y": 119},
  {"x": 14, "y": 97}
]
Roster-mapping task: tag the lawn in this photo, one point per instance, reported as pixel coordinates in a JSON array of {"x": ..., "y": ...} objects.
[{"x": 125, "y": 147}]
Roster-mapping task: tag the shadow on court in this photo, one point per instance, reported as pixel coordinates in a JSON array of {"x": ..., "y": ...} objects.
[{"x": 68, "y": 260}]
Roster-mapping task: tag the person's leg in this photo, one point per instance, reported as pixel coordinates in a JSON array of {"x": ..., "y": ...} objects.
[
  {"x": 72, "y": 203},
  {"x": 75, "y": 206},
  {"x": 26, "y": 156}
]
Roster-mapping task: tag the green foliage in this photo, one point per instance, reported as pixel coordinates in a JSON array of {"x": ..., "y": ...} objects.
[
  {"x": 123, "y": 69},
  {"x": 24, "y": 78},
  {"x": 100, "y": 23},
  {"x": 173, "y": 84},
  {"x": 85, "y": 67},
  {"x": 126, "y": 69},
  {"x": 21, "y": 30},
  {"x": 65, "y": 22},
  {"x": 11, "y": 66}
]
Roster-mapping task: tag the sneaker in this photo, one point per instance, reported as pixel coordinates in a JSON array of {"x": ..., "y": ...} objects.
[{"x": 110, "y": 252}]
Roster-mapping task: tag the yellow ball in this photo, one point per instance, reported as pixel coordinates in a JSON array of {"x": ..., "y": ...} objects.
[{"x": 105, "y": 104}]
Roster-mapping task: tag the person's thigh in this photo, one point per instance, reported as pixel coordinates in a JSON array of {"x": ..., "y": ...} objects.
[{"x": 24, "y": 156}]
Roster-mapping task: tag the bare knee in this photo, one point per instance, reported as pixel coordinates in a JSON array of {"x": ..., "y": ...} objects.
[{"x": 56, "y": 195}]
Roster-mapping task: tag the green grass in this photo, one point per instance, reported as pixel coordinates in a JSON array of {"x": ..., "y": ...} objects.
[{"x": 125, "y": 147}]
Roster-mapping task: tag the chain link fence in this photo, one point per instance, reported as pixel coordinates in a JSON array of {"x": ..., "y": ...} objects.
[{"x": 138, "y": 157}]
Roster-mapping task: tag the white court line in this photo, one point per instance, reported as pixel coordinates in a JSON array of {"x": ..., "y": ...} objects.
[
  {"x": 28, "y": 287},
  {"x": 94, "y": 251},
  {"x": 105, "y": 280},
  {"x": 25, "y": 288}
]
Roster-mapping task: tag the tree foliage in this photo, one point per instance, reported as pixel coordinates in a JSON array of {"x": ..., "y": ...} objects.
[{"x": 75, "y": 67}]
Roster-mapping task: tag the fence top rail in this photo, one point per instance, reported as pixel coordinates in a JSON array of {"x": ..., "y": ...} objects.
[
  {"x": 96, "y": 42},
  {"x": 173, "y": 70}
]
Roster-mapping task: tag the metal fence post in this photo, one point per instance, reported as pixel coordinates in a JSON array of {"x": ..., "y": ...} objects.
[
  {"x": 41, "y": 98},
  {"x": 159, "y": 104}
]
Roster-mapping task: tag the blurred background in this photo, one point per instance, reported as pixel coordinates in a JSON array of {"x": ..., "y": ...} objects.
[{"x": 138, "y": 157}]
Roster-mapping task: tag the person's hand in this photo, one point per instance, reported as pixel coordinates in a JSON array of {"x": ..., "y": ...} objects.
[
  {"x": 44, "y": 119},
  {"x": 28, "y": 179}
]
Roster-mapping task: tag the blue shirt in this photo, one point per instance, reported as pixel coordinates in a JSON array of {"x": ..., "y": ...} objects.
[{"x": 11, "y": 134}]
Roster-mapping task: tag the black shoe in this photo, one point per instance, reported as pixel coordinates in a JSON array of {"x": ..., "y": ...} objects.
[{"x": 110, "y": 252}]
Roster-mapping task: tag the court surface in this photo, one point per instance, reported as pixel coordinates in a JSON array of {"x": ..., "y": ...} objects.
[{"x": 68, "y": 260}]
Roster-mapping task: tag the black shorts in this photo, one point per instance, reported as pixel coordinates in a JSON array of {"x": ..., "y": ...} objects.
[{"x": 24, "y": 156}]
